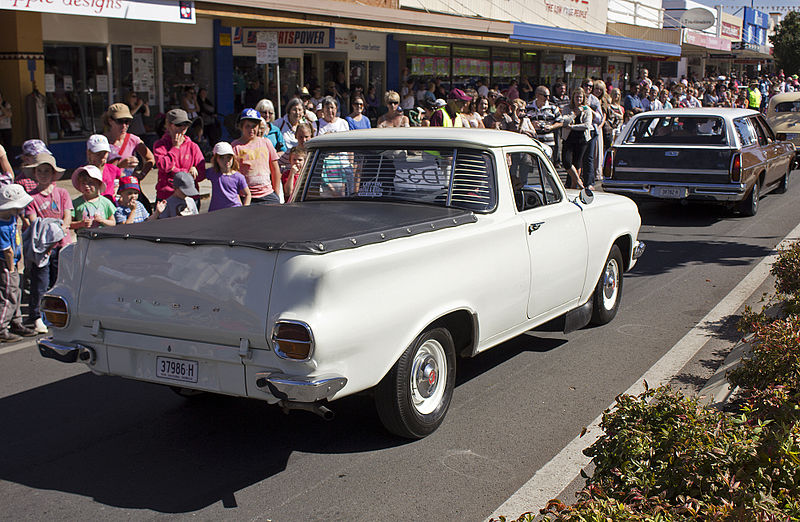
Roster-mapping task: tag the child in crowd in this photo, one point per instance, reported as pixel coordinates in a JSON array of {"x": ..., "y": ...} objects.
[
  {"x": 25, "y": 176},
  {"x": 91, "y": 209},
  {"x": 49, "y": 201},
  {"x": 178, "y": 204},
  {"x": 97, "y": 151},
  {"x": 129, "y": 208},
  {"x": 228, "y": 186},
  {"x": 297, "y": 158},
  {"x": 13, "y": 200}
]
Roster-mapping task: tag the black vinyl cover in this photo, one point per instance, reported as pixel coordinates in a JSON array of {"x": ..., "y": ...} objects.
[{"x": 314, "y": 227}]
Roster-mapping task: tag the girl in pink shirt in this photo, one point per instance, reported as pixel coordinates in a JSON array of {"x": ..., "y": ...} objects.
[{"x": 258, "y": 160}]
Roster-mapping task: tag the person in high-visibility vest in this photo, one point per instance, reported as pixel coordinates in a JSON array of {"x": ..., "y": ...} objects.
[
  {"x": 450, "y": 114},
  {"x": 753, "y": 97}
]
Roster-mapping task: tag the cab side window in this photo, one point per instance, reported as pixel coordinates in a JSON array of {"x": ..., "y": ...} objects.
[
  {"x": 762, "y": 137},
  {"x": 532, "y": 181},
  {"x": 766, "y": 128}
]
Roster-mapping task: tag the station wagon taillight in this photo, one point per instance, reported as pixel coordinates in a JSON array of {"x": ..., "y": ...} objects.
[
  {"x": 736, "y": 167},
  {"x": 608, "y": 164},
  {"x": 55, "y": 311},
  {"x": 292, "y": 340}
]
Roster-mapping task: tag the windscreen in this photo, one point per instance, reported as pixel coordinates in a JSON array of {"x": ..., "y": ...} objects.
[
  {"x": 789, "y": 106},
  {"x": 459, "y": 178},
  {"x": 682, "y": 130}
]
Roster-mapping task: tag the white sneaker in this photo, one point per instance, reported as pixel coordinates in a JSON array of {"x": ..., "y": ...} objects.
[{"x": 39, "y": 326}]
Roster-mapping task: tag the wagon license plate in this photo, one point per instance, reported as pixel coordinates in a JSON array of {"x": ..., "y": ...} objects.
[
  {"x": 176, "y": 369},
  {"x": 669, "y": 192}
]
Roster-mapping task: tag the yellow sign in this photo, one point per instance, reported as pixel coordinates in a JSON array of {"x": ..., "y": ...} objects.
[{"x": 224, "y": 39}]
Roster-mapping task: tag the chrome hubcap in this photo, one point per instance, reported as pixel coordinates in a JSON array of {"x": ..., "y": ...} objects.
[
  {"x": 610, "y": 284},
  {"x": 428, "y": 376}
]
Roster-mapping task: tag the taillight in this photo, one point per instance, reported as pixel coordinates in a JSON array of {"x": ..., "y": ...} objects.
[
  {"x": 736, "y": 167},
  {"x": 55, "y": 311},
  {"x": 608, "y": 164},
  {"x": 292, "y": 340}
]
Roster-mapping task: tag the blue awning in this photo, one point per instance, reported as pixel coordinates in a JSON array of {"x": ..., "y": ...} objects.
[{"x": 571, "y": 38}]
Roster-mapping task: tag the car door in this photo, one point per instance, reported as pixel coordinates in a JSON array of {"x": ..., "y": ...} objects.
[
  {"x": 555, "y": 233},
  {"x": 769, "y": 152},
  {"x": 779, "y": 157}
]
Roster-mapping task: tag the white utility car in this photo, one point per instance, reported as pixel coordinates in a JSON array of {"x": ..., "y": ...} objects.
[{"x": 401, "y": 249}]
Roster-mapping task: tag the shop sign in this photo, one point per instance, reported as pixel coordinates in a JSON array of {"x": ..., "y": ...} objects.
[
  {"x": 698, "y": 18},
  {"x": 704, "y": 40},
  {"x": 755, "y": 17},
  {"x": 734, "y": 32},
  {"x": 303, "y": 38},
  {"x": 266, "y": 47},
  {"x": 362, "y": 45},
  {"x": 152, "y": 10}
]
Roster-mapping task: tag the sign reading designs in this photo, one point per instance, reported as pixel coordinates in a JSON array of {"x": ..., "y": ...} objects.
[{"x": 177, "y": 11}]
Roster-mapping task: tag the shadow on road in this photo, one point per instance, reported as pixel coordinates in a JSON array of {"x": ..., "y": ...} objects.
[
  {"x": 675, "y": 214},
  {"x": 137, "y": 445}
]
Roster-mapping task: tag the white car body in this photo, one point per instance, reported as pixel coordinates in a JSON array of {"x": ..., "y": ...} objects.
[{"x": 492, "y": 278}]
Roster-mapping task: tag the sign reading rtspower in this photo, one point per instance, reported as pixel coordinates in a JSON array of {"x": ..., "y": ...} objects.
[
  {"x": 178, "y": 11},
  {"x": 319, "y": 38}
]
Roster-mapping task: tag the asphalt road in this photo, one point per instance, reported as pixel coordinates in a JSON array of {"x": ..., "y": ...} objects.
[{"x": 78, "y": 446}]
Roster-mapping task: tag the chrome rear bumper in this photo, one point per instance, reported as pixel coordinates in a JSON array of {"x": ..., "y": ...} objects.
[
  {"x": 65, "y": 353},
  {"x": 705, "y": 191},
  {"x": 300, "y": 389}
]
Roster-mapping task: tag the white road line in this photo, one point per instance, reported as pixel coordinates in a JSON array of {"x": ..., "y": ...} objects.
[
  {"x": 18, "y": 346},
  {"x": 562, "y": 469}
]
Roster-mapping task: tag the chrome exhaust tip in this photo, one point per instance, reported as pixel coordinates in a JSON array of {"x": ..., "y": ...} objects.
[{"x": 314, "y": 407}]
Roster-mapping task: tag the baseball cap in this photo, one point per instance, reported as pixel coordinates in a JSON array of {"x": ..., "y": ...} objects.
[
  {"x": 185, "y": 182},
  {"x": 458, "y": 94},
  {"x": 439, "y": 103},
  {"x": 223, "y": 148},
  {"x": 42, "y": 158},
  {"x": 178, "y": 117},
  {"x": 34, "y": 147},
  {"x": 13, "y": 196},
  {"x": 93, "y": 173},
  {"x": 97, "y": 143},
  {"x": 250, "y": 114},
  {"x": 119, "y": 111},
  {"x": 129, "y": 182}
]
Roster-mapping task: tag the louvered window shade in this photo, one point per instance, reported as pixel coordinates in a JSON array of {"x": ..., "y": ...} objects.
[{"x": 460, "y": 178}]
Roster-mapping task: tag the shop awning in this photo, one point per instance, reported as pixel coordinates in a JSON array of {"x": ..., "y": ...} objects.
[{"x": 572, "y": 39}]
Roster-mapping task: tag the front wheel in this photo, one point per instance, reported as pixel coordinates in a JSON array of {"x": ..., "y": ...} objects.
[
  {"x": 608, "y": 291},
  {"x": 413, "y": 398}
]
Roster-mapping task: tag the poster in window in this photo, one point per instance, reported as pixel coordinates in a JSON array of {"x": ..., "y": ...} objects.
[
  {"x": 102, "y": 82},
  {"x": 68, "y": 83},
  {"x": 144, "y": 71},
  {"x": 428, "y": 66},
  {"x": 416, "y": 65},
  {"x": 50, "y": 82},
  {"x": 443, "y": 66}
]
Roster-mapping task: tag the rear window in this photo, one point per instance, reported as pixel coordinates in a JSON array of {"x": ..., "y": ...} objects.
[
  {"x": 688, "y": 130},
  {"x": 790, "y": 106},
  {"x": 459, "y": 178}
]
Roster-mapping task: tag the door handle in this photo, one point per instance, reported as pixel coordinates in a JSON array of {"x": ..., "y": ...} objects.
[{"x": 533, "y": 227}]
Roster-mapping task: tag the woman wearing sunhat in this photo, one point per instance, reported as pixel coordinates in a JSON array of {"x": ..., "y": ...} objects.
[
  {"x": 257, "y": 159},
  {"x": 125, "y": 145}
]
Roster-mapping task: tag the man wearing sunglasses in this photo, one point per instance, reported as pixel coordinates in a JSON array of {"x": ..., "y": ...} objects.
[{"x": 176, "y": 152}]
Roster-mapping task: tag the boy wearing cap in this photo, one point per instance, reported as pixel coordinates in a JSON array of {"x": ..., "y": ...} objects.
[
  {"x": 97, "y": 151},
  {"x": 13, "y": 199},
  {"x": 91, "y": 209},
  {"x": 176, "y": 152},
  {"x": 129, "y": 208},
  {"x": 180, "y": 203}
]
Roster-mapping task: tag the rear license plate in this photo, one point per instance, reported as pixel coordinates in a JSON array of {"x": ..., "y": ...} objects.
[
  {"x": 668, "y": 192},
  {"x": 176, "y": 369}
]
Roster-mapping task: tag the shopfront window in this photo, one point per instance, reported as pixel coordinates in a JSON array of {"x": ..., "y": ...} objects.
[
  {"x": 428, "y": 61},
  {"x": 377, "y": 75},
  {"x": 76, "y": 87},
  {"x": 505, "y": 66},
  {"x": 552, "y": 70},
  {"x": 594, "y": 67},
  {"x": 290, "y": 80},
  {"x": 619, "y": 73},
  {"x": 530, "y": 66},
  {"x": 470, "y": 64},
  {"x": 358, "y": 73},
  {"x": 186, "y": 69}
]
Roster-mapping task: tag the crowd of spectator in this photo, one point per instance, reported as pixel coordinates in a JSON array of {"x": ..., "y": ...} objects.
[{"x": 262, "y": 165}]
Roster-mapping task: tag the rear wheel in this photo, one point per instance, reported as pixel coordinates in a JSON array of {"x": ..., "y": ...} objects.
[
  {"x": 413, "y": 398},
  {"x": 749, "y": 206},
  {"x": 608, "y": 291}
]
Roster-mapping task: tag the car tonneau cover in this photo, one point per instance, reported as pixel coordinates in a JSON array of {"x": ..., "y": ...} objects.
[{"x": 314, "y": 227}]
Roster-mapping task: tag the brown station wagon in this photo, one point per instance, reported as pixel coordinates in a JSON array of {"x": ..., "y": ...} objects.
[{"x": 709, "y": 154}]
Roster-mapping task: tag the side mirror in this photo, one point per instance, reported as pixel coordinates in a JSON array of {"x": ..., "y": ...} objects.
[{"x": 586, "y": 196}]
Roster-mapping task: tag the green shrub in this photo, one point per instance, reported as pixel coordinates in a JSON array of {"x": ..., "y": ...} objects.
[{"x": 774, "y": 359}]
